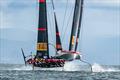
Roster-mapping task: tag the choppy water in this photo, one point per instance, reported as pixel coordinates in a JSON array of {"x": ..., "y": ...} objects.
[{"x": 20, "y": 72}]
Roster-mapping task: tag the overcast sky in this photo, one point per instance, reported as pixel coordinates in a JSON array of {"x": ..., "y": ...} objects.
[{"x": 100, "y": 34}]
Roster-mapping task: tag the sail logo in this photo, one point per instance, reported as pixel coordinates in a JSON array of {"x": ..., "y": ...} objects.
[
  {"x": 73, "y": 40},
  {"x": 42, "y": 46}
]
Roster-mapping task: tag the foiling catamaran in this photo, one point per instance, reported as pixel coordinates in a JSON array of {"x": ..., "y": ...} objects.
[{"x": 42, "y": 58}]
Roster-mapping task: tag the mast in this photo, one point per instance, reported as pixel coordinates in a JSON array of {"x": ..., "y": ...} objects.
[
  {"x": 75, "y": 24},
  {"x": 58, "y": 41},
  {"x": 42, "y": 40},
  {"x": 78, "y": 33}
]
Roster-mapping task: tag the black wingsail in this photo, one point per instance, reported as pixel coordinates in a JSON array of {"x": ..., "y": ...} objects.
[
  {"x": 75, "y": 24},
  {"x": 58, "y": 41},
  {"x": 42, "y": 41},
  {"x": 78, "y": 33}
]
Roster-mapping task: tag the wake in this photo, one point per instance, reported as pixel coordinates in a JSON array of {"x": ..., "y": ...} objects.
[
  {"x": 72, "y": 66},
  {"x": 98, "y": 68},
  {"x": 25, "y": 68},
  {"x": 95, "y": 68}
]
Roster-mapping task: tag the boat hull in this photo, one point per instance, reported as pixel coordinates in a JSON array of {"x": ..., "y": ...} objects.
[
  {"x": 46, "y": 63},
  {"x": 68, "y": 56},
  {"x": 55, "y": 61}
]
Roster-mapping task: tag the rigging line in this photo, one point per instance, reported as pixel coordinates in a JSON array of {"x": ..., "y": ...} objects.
[
  {"x": 50, "y": 27},
  {"x": 68, "y": 21},
  {"x": 53, "y": 7},
  {"x": 65, "y": 14},
  {"x": 81, "y": 36},
  {"x": 53, "y": 11},
  {"x": 82, "y": 31},
  {"x": 51, "y": 22}
]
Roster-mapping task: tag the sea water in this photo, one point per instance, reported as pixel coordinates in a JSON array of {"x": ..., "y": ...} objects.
[{"x": 69, "y": 72}]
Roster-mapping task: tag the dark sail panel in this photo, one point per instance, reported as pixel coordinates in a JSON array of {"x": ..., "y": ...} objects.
[
  {"x": 58, "y": 41},
  {"x": 80, "y": 21},
  {"x": 75, "y": 24},
  {"x": 42, "y": 41}
]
